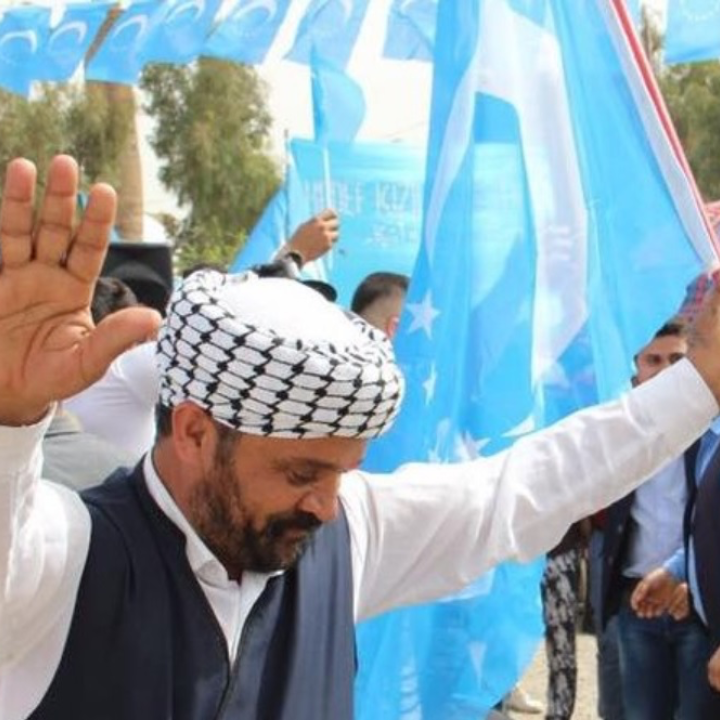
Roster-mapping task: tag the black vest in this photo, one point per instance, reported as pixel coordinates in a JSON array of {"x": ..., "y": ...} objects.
[{"x": 145, "y": 645}]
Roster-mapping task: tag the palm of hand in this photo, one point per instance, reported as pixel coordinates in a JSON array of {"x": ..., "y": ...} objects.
[
  {"x": 45, "y": 326},
  {"x": 49, "y": 348}
]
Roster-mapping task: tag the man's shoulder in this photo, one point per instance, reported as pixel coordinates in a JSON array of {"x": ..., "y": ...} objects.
[
  {"x": 115, "y": 506},
  {"x": 124, "y": 525},
  {"x": 118, "y": 485}
]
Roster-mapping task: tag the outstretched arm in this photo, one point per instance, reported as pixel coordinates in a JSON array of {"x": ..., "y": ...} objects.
[
  {"x": 426, "y": 530},
  {"x": 49, "y": 348}
]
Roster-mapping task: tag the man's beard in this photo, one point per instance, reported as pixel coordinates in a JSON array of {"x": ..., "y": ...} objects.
[{"x": 222, "y": 520}]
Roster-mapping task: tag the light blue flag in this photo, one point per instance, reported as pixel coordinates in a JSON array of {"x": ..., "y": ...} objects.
[
  {"x": 248, "y": 32},
  {"x": 287, "y": 209},
  {"x": 635, "y": 10},
  {"x": 411, "y": 30},
  {"x": 120, "y": 57},
  {"x": 23, "y": 32},
  {"x": 693, "y": 31},
  {"x": 338, "y": 102},
  {"x": 376, "y": 189},
  {"x": 268, "y": 235},
  {"x": 68, "y": 42},
  {"x": 181, "y": 35},
  {"x": 557, "y": 238},
  {"x": 332, "y": 27}
]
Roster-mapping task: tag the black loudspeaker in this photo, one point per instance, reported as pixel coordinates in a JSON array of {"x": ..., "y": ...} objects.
[{"x": 145, "y": 267}]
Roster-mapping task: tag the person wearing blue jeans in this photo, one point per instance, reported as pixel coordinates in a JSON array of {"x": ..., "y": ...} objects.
[
  {"x": 663, "y": 660},
  {"x": 663, "y": 664},
  {"x": 694, "y": 563}
]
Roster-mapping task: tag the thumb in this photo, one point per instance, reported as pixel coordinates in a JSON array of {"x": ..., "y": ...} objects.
[{"x": 116, "y": 333}]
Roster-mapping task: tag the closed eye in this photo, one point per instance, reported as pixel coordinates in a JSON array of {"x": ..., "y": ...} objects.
[{"x": 299, "y": 479}]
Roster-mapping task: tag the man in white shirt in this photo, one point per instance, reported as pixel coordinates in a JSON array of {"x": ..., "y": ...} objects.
[{"x": 223, "y": 576}]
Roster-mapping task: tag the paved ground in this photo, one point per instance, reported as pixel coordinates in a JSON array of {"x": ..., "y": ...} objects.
[{"x": 535, "y": 681}]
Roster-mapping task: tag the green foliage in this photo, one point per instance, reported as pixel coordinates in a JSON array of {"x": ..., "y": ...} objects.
[
  {"x": 200, "y": 245},
  {"x": 34, "y": 130},
  {"x": 212, "y": 137},
  {"x": 692, "y": 94},
  {"x": 97, "y": 128},
  {"x": 62, "y": 118}
]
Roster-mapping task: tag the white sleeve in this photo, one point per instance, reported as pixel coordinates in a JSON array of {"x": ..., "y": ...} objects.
[
  {"x": 142, "y": 378},
  {"x": 428, "y": 530},
  {"x": 44, "y": 540}
]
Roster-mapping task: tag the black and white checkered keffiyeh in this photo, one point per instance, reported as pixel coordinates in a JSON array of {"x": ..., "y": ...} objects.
[{"x": 272, "y": 357}]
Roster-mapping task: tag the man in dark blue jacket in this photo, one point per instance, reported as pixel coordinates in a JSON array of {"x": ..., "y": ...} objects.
[{"x": 662, "y": 659}]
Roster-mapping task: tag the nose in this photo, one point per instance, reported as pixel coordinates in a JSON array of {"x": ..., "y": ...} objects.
[{"x": 322, "y": 503}]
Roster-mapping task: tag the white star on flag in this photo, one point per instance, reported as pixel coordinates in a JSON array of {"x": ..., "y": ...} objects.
[
  {"x": 429, "y": 385},
  {"x": 424, "y": 315}
]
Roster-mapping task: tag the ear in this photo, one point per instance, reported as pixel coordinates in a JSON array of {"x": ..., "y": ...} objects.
[
  {"x": 392, "y": 326},
  {"x": 193, "y": 434}
]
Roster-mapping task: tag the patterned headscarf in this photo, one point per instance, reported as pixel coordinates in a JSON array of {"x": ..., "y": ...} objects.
[{"x": 272, "y": 357}]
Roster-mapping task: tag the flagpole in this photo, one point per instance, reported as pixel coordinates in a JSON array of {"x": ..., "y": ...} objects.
[
  {"x": 653, "y": 90},
  {"x": 327, "y": 191},
  {"x": 286, "y": 180}
]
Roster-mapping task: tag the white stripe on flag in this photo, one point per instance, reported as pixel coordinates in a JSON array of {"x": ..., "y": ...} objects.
[{"x": 521, "y": 63}]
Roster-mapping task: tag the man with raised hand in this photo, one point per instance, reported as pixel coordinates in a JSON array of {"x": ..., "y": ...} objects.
[{"x": 222, "y": 577}]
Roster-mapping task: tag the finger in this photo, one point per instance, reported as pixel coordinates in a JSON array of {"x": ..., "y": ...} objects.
[
  {"x": 679, "y": 612},
  {"x": 676, "y": 604},
  {"x": 327, "y": 214},
  {"x": 16, "y": 213},
  {"x": 677, "y": 608},
  {"x": 87, "y": 251},
  {"x": 118, "y": 332},
  {"x": 638, "y": 597},
  {"x": 58, "y": 210}
]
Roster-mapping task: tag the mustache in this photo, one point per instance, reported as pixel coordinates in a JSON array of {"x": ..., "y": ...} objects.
[{"x": 278, "y": 526}]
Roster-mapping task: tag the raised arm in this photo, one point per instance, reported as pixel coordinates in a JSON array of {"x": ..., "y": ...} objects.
[
  {"x": 49, "y": 348},
  {"x": 428, "y": 530}
]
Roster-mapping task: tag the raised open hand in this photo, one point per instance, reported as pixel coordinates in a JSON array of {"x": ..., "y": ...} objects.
[
  {"x": 315, "y": 236},
  {"x": 49, "y": 348}
]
